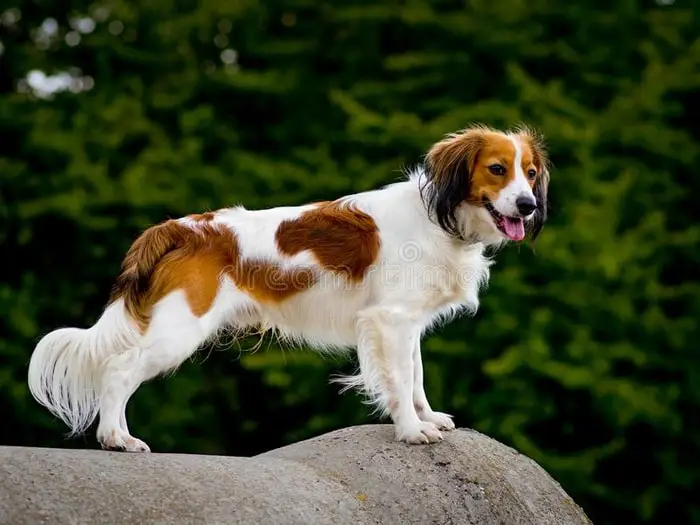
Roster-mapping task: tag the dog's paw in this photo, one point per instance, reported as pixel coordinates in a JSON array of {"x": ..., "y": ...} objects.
[
  {"x": 440, "y": 420},
  {"x": 132, "y": 444},
  {"x": 422, "y": 433},
  {"x": 119, "y": 442}
]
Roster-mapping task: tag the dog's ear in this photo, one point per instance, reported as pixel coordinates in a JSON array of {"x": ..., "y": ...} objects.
[
  {"x": 449, "y": 165},
  {"x": 541, "y": 160},
  {"x": 540, "y": 191}
]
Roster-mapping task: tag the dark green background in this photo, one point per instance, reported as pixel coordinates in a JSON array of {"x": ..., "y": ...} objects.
[{"x": 584, "y": 353}]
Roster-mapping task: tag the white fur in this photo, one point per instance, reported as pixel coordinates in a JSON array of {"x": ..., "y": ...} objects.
[
  {"x": 518, "y": 187},
  {"x": 421, "y": 278}
]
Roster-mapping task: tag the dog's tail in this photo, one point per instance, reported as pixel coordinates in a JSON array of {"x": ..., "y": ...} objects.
[{"x": 65, "y": 370}]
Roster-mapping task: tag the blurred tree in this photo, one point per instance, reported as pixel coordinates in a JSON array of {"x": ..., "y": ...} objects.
[{"x": 582, "y": 354}]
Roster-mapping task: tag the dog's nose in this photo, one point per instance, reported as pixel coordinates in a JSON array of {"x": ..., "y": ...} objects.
[{"x": 526, "y": 205}]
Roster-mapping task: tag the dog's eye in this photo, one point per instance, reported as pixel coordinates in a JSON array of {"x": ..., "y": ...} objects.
[
  {"x": 532, "y": 173},
  {"x": 497, "y": 169}
]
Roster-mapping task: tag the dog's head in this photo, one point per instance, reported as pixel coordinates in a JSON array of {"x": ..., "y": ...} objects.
[{"x": 504, "y": 175}]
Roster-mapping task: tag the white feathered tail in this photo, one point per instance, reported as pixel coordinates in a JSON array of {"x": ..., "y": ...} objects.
[{"x": 66, "y": 366}]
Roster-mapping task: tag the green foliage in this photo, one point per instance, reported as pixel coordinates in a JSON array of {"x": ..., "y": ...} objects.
[{"x": 582, "y": 354}]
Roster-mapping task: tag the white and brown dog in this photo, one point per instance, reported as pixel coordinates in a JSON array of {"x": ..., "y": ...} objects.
[{"x": 371, "y": 271}]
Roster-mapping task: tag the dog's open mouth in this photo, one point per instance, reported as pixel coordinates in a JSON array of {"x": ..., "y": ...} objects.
[{"x": 511, "y": 227}]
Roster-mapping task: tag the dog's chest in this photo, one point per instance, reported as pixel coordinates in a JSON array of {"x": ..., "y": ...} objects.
[{"x": 456, "y": 282}]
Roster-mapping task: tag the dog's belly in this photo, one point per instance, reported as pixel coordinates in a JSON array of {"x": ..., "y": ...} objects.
[{"x": 323, "y": 317}]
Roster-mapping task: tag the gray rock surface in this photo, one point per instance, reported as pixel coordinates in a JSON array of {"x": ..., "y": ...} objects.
[{"x": 357, "y": 475}]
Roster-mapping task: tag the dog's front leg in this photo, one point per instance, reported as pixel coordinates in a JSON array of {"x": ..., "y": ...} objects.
[
  {"x": 387, "y": 337},
  {"x": 420, "y": 400}
]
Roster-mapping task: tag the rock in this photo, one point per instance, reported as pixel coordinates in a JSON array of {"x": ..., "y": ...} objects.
[{"x": 357, "y": 475}]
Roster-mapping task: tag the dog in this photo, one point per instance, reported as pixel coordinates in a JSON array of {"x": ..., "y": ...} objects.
[{"x": 372, "y": 271}]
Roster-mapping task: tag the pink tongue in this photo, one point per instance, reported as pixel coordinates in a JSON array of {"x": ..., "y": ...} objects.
[{"x": 514, "y": 229}]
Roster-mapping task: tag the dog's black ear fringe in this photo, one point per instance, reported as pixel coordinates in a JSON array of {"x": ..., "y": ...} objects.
[
  {"x": 442, "y": 199},
  {"x": 535, "y": 225},
  {"x": 449, "y": 165}
]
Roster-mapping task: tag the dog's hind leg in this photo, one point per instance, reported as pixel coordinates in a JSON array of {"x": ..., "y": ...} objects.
[
  {"x": 120, "y": 378},
  {"x": 174, "y": 334}
]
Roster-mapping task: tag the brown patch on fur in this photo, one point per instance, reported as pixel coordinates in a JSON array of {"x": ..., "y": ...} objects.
[
  {"x": 202, "y": 217},
  {"x": 534, "y": 152},
  {"x": 342, "y": 239},
  {"x": 269, "y": 283},
  {"x": 195, "y": 267},
  {"x": 496, "y": 148},
  {"x": 134, "y": 280},
  {"x": 172, "y": 256},
  {"x": 455, "y": 157}
]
